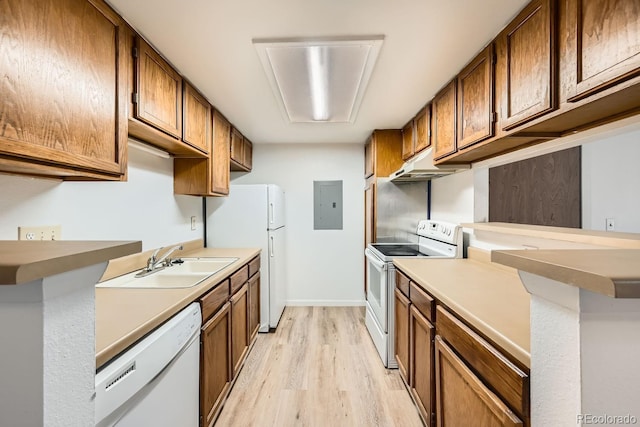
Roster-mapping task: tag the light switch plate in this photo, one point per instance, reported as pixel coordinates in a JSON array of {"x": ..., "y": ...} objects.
[{"x": 43, "y": 232}]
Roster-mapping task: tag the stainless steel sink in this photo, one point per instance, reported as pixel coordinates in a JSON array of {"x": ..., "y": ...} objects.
[{"x": 191, "y": 272}]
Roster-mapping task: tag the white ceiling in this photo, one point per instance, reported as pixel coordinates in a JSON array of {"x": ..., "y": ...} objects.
[{"x": 426, "y": 43}]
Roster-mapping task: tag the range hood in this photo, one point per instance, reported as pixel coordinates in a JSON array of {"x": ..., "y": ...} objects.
[{"x": 421, "y": 168}]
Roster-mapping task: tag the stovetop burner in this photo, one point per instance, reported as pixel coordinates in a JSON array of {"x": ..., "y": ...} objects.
[{"x": 404, "y": 250}]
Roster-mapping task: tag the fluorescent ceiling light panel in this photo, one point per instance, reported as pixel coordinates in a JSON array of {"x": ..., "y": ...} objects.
[{"x": 319, "y": 80}]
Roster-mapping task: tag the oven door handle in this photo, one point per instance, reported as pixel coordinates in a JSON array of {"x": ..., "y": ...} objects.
[{"x": 373, "y": 259}]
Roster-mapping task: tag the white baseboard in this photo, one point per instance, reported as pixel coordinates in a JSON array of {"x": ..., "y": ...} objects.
[{"x": 325, "y": 303}]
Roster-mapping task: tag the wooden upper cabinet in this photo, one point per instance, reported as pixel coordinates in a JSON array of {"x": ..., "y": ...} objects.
[
  {"x": 63, "y": 91},
  {"x": 237, "y": 146},
  {"x": 248, "y": 154},
  {"x": 241, "y": 152},
  {"x": 605, "y": 36},
  {"x": 219, "y": 162},
  {"x": 158, "y": 91},
  {"x": 383, "y": 153},
  {"x": 207, "y": 176},
  {"x": 476, "y": 99},
  {"x": 196, "y": 120},
  {"x": 422, "y": 130},
  {"x": 444, "y": 121},
  {"x": 527, "y": 52},
  {"x": 368, "y": 158},
  {"x": 408, "y": 140}
]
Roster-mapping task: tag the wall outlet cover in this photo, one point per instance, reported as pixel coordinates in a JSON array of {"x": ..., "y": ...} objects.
[{"x": 44, "y": 232}]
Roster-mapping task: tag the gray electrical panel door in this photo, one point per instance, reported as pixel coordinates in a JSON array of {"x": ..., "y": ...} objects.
[{"x": 327, "y": 205}]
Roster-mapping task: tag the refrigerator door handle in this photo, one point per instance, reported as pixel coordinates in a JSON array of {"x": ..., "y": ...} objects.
[
  {"x": 270, "y": 213},
  {"x": 271, "y": 254}
]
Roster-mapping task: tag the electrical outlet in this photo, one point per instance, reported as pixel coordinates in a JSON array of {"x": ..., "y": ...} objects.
[
  {"x": 193, "y": 223},
  {"x": 611, "y": 224},
  {"x": 45, "y": 232}
]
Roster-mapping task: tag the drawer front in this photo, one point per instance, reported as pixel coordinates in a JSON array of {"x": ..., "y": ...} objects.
[
  {"x": 254, "y": 266},
  {"x": 423, "y": 302},
  {"x": 239, "y": 278},
  {"x": 509, "y": 382},
  {"x": 402, "y": 283},
  {"x": 212, "y": 301}
]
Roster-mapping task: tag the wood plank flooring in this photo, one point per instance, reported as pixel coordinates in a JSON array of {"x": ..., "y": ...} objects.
[{"x": 319, "y": 368}]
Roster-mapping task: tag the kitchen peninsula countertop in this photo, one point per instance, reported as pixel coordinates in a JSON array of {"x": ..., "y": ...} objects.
[
  {"x": 125, "y": 315},
  {"x": 22, "y": 261},
  {"x": 489, "y": 297},
  {"x": 611, "y": 272}
]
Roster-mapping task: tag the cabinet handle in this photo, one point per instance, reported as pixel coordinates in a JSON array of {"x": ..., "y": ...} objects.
[
  {"x": 272, "y": 252},
  {"x": 271, "y": 213}
]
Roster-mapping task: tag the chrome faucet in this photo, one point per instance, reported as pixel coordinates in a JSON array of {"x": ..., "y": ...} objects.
[{"x": 154, "y": 264}]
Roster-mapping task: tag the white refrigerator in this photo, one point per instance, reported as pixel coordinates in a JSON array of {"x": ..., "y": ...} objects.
[{"x": 253, "y": 216}]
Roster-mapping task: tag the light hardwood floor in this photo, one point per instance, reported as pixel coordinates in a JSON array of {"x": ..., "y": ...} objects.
[{"x": 319, "y": 368}]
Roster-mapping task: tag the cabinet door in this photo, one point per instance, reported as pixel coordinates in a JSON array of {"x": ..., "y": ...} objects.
[
  {"x": 370, "y": 212},
  {"x": 528, "y": 49},
  {"x": 475, "y": 100},
  {"x": 196, "y": 121},
  {"x": 158, "y": 91},
  {"x": 444, "y": 121},
  {"x": 254, "y": 306},
  {"x": 248, "y": 154},
  {"x": 368, "y": 158},
  {"x": 62, "y": 96},
  {"x": 237, "y": 146},
  {"x": 408, "y": 142},
  {"x": 239, "y": 336},
  {"x": 423, "y": 129},
  {"x": 220, "y": 155},
  {"x": 605, "y": 35},
  {"x": 215, "y": 364},
  {"x": 402, "y": 334},
  {"x": 422, "y": 364},
  {"x": 462, "y": 399}
]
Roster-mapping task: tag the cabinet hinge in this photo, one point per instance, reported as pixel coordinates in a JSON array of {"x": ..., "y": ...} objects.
[
  {"x": 494, "y": 58},
  {"x": 429, "y": 132},
  {"x": 134, "y": 97},
  {"x": 433, "y": 418},
  {"x": 495, "y": 117},
  {"x": 134, "y": 52}
]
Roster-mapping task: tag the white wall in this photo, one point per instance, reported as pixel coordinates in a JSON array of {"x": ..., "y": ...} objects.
[
  {"x": 452, "y": 197},
  {"x": 611, "y": 182},
  {"x": 143, "y": 208},
  {"x": 325, "y": 267}
]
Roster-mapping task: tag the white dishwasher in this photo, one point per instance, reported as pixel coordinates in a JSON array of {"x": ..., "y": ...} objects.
[{"x": 155, "y": 382}]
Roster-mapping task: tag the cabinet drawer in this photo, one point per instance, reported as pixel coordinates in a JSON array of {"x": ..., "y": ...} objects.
[
  {"x": 508, "y": 381},
  {"x": 254, "y": 266},
  {"x": 402, "y": 283},
  {"x": 423, "y": 302},
  {"x": 211, "y": 302},
  {"x": 239, "y": 278}
]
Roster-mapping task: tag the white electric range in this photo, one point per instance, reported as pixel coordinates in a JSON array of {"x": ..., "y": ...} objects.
[{"x": 436, "y": 240}]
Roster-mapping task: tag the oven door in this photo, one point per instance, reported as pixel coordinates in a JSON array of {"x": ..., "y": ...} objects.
[{"x": 377, "y": 284}]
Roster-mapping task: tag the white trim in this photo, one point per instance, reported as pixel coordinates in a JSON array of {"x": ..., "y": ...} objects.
[{"x": 325, "y": 303}]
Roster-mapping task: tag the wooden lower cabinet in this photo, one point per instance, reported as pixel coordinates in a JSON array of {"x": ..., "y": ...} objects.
[
  {"x": 239, "y": 336},
  {"x": 456, "y": 377},
  {"x": 254, "y": 306},
  {"x": 215, "y": 364},
  {"x": 402, "y": 334},
  {"x": 462, "y": 398},
  {"x": 422, "y": 365}
]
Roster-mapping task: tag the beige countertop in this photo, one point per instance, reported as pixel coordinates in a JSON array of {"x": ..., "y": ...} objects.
[
  {"x": 611, "y": 272},
  {"x": 489, "y": 297},
  {"x": 23, "y": 261},
  {"x": 123, "y": 316},
  {"x": 576, "y": 235}
]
